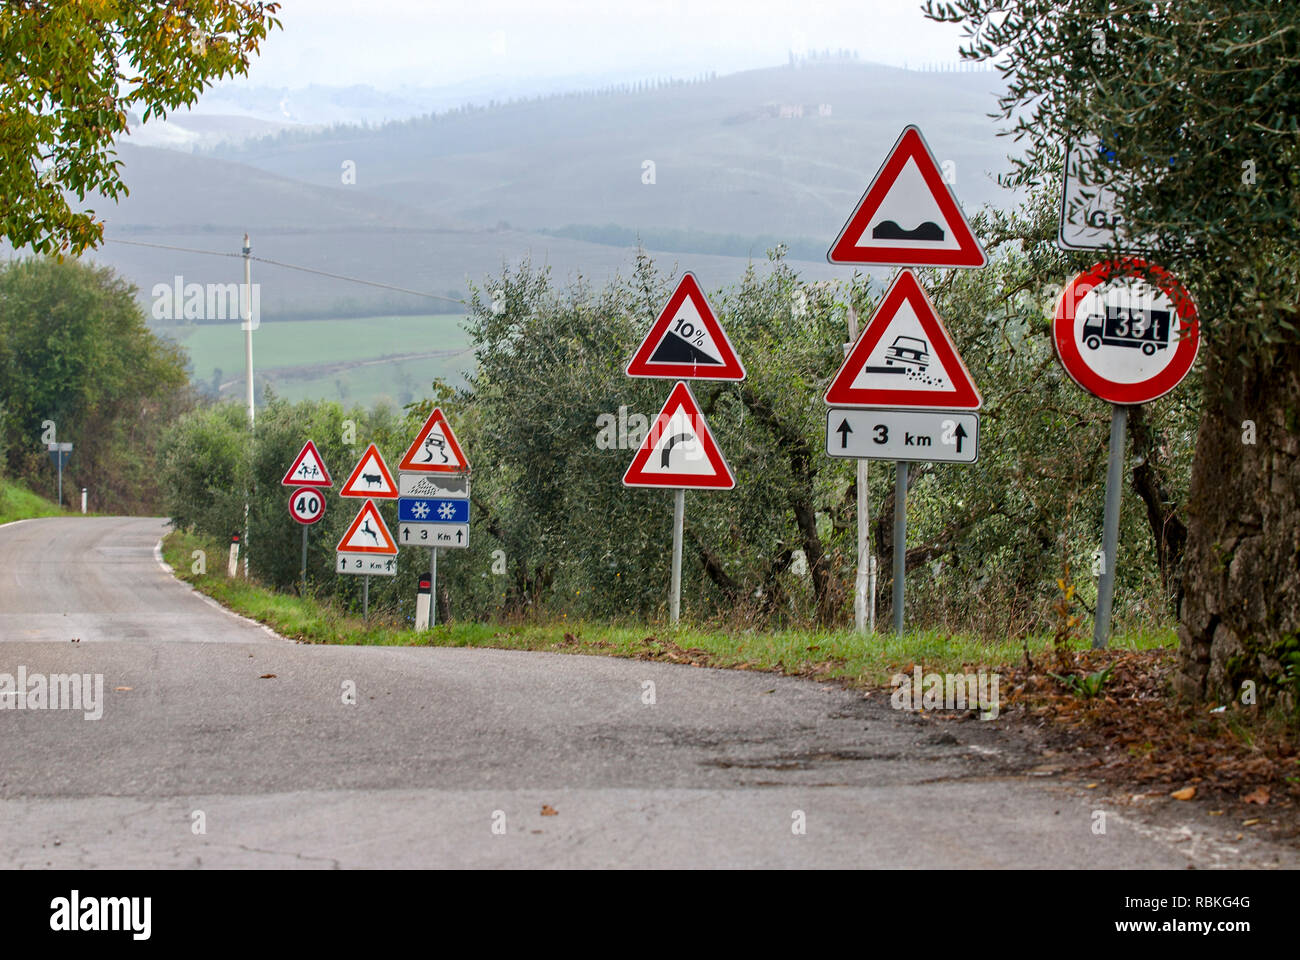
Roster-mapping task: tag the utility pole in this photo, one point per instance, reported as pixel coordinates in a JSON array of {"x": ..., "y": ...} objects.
[{"x": 246, "y": 301}]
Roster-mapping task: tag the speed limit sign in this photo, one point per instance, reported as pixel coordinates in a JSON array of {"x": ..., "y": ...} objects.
[{"x": 306, "y": 505}]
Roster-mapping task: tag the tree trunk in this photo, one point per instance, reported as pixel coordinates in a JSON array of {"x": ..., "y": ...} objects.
[
  {"x": 1149, "y": 483},
  {"x": 1240, "y": 612}
]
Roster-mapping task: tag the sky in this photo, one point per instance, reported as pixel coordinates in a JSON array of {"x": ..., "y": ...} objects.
[{"x": 391, "y": 43}]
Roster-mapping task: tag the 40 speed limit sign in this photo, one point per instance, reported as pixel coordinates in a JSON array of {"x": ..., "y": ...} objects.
[{"x": 306, "y": 505}]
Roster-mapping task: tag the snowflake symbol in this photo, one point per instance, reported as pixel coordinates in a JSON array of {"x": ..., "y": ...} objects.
[
  {"x": 445, "y": 511},
  {"x": 421, "y": 510}
]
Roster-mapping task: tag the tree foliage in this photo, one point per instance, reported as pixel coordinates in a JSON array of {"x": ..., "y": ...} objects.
[{"x": 72, "y": 74}]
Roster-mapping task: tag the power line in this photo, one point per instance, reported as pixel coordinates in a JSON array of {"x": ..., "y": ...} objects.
[{"x": 287, "y": 266}]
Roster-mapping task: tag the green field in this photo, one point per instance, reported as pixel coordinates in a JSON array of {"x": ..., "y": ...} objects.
[{"x": 352, "y": 360}]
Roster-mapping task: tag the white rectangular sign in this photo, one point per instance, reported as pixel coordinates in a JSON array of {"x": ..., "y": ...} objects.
[
  {"x": 944, "y": 436},
  {"x": 434, "y": 485},
  {"x": 433, "y": 534},
  {"x": 373, "y": 564}
]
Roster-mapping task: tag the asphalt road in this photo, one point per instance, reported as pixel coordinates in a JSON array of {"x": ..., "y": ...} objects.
[{"x": 441, "y": 746}]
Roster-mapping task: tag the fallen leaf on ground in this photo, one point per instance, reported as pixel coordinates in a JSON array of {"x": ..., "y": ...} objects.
[
  {"x": 1259, "y": 796},
  {"x": 1248, "y": 823},
  {"x": 121, "y": 688},
  {"x": 549, "y": 811},
  {"x": 267, "y": 676},
  {"x": 1184, "y": 794}
]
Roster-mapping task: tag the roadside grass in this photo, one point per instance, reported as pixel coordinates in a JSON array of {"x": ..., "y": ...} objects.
[
  {"x": 810, "y": 652},
  {"x": 19, "y": 503}
]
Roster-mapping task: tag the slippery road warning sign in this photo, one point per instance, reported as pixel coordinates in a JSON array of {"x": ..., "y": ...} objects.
[
  {"x": 308, "y": 469},
  {"x": 686, "y": 342},
  {"x": 679, "y": 451},
  {"x": 904, "y": 358},
  {"x": 370, "y": 477},
  {"x": 1126, "y": 331},
  {"x": 909, "y": 216},
  {"x": 435, "y": 449}
]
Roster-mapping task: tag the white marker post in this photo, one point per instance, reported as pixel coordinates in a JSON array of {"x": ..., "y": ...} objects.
[
  {"x": 422, "y": 605},
  {"x": 83, "y": 499},
  {"x": 675, "y": 591},
  {"x": 233, "y": 568}
]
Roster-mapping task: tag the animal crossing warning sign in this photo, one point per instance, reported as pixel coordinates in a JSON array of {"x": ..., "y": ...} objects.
[
  {"x": 679, "y": 450},
  {"x": 435, "y": 449},
  {"x": 904, "y": 358},
  {"x": 367, "y": 548},
  {"x": 308, "y": 469},
  {"x": 370, "y": 477},
  {"x": 909, "y": 215},
  {"x": 686, "y": 342}
]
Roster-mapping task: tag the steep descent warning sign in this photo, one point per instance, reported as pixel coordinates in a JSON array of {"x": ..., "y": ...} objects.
[
  {"x": 686, "y": 342},
  {"x": 679, "y": 451},
  {"x": 370, "y": 477},
  {"x": 308, "y": 469},
  {"x": 368, "y": 533},
  {"x": 435, "y": 449},
  {"x": 909, "y": 216},
  {"x": 904, "y": 358}
]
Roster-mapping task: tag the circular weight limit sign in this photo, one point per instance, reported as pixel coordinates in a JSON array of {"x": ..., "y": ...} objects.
[
  {"x": 1126, "y": 331},
  {"x": 306, "y": 505}
]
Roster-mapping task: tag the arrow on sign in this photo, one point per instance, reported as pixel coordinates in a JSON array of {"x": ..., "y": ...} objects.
[
  {"x": 960, "y": 434},
  {"x": 844, "y": 430},
  {"x": 668, "y": 447}
]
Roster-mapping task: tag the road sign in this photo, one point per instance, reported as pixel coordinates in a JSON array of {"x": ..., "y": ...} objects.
[
  {"x": 435, "y": 449},
  {"x": 433, "y": 485},
  {"x": 433, "y": 534},
  {"x": 425, "y": 510},
  {"x": 307, "y": 505},
  {"x": 909, "y": 216},
  {"x": 308, "y": 469},
  {"x": 936, "y": 436},
  {"x": 679, "y": 451},
  {"x": 370, "y": 477},
  {"x": 904, "y": 358},
  {"x": 59, "y": 453},
  {"x": 1090, "y": 217},
  {"x": 1126, "y": 331},
  {"x": 686, "y": 342},
  {"x": 366, "y": 564},
  {"x": 368, "y": 533}
]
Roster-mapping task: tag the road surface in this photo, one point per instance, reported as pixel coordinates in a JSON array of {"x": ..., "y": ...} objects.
[{"x": 456, "y": 757}]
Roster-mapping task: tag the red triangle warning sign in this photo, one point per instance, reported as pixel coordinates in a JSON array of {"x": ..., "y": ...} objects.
[
  {"x": 370, "y": 477},
  {"x": 435, "y": 449},
  {"x": 308, "y": 469},
  {"x": 679, "y": 450},
  {"x": 686, "y": 342},
  {"x": 368, "y": 533},
  {"x": 904, "y": 358},
  {"x": 909, "y": 216}
]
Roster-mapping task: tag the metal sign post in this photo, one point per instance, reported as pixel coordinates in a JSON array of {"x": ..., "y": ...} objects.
[
  {"x": 304, "y": 560},
  {"x": 1110, "y": 525},
  {"x": 59, "y": 455},
  {"x": 365, "y": 597},
  {"x": 433, "y": 587},
  {"x": 675, "y": 591},
  {"x": 864, "y": 612},
  {"x": 900, "y": 542}
]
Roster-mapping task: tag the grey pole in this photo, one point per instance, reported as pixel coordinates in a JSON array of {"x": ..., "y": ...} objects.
[
  {"x": 365, "y": 597},
  {"x": 304, "y": 560},
  {"x": 675, "y": 592},
  {"x": 900, "y": 543},
  {"x": 248, "y": 368},
  {"x": 864, "y": 617},
  {"x": 1110, "y": 525},
  {"x": 433, "y": 587},
  {"x": 59, "y": 455}
]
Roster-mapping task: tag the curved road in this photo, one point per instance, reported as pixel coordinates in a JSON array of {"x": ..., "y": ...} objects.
[{"x": 449, "y": 757}]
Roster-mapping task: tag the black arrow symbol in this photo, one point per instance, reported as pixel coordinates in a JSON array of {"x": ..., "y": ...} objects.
[
  {"x": 960, "y": 434},
  {"x": 668, "y": 447},
  {"x": 458, "y": 533},
  {"x": 844, "y": 430}
]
